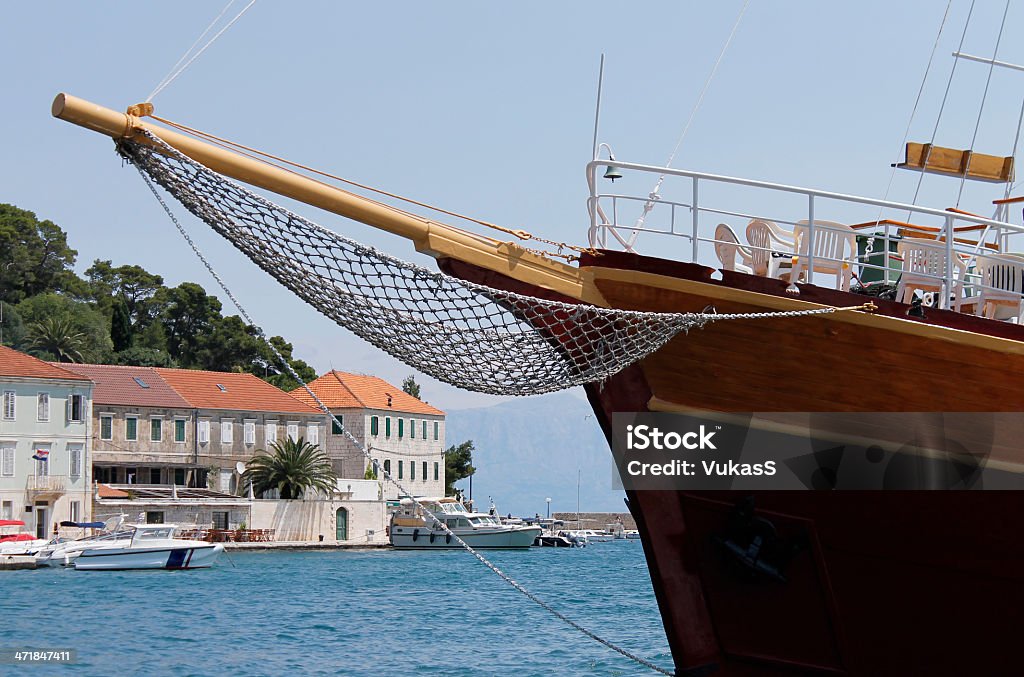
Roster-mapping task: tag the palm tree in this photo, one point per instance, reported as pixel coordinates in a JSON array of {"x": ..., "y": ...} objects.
[
  {"x": 57, "y": 337},
  {"x": 292, "y": 468}
]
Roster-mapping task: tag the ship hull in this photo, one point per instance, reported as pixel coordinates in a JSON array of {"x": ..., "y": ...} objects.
[{"x": 884, "y": 582}]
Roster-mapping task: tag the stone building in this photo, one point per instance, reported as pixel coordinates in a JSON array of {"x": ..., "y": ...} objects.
[
  {"x": 405, "y": 435},
  {"x": 187, "y": 428},
  {"x": 44, "y": 442}
]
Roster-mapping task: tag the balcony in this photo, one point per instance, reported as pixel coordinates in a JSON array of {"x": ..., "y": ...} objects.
[{"x": 46, "y": 485}]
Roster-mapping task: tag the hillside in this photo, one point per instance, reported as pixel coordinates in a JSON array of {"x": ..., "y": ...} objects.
[{"x": 530, "y": 449}]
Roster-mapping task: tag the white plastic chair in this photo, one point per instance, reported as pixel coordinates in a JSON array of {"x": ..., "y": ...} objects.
[
  {"x": 766, "y": 238},
  {"x": 924, "y": 269},
  {"x": 1001, "y": 287},
  {"x": 728, "y": 247},
  {"x": 835, "y": 245}
]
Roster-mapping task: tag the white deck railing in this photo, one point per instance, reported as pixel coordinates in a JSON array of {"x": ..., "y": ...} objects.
[{"x": 689, "y": 205}]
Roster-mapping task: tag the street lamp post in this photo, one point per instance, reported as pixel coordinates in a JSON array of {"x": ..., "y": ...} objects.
[{"x": 548, "y": 500}]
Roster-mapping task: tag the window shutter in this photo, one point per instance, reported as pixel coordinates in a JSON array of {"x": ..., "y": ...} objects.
[
  {"x": 204, "y": 432},
  {"x": 313, "y": 433},
  {"x": 8, "y": 461},
  {"x": 9, "y": 403}
]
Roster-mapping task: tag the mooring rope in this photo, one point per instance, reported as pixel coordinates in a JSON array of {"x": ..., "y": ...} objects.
[{"x": 438, "y": 524}]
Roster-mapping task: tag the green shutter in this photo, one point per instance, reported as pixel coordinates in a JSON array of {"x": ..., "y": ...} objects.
[
  {"x": 374, "y": 425},
  {"x": 412, "y": 470},
  {"x": 401, "y": 428},
  {"x": 179, "y": 430},
  {"x": 424, "y": 429},
  {"x": 106, "y": 427},
  {"x": 424, "y": 471},
  {"x": 412, "y": 429},
  {"x": 399, "y": 470},
  {"x": 437, "y": 428},
  {"x": 131, "y": 429},
  {"x": 437, "y": 475},
  {"x": 387, "y": 426}
]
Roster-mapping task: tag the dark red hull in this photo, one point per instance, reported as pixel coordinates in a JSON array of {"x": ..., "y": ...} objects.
[{"x": 882, "y": 583}]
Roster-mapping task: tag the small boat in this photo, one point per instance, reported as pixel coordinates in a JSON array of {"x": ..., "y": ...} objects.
[
  {"x": 112, "y": 534},
  {"x": 632, "y": 534},
  {"x": 593, "y": 535},
  {"x": 411, "y": 528},
  {"x": 152, "y": 546},
  {"x": 17, "y": 543}
]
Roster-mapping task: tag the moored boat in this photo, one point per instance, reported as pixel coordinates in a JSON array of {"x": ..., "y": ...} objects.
[
  {"x": 412, "y": 529},
  {"x": 152, "y": 546}
]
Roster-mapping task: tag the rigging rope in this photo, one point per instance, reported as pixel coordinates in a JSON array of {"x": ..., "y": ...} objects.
[
  {"x": 942, "y": 107},
  {"x": 981, "y": 107},
  {"x": 653, "y": 196},
  {"x": 282, "y": 163},
  {"x": 173, "y": 75},
  {"x": 913, "y": 112}
]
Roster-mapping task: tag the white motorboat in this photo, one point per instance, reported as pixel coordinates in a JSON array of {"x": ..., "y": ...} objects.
[
  {"x": 152, "y": 546},
  {"x": 592, "y": 535},
  {"x": 411, "y": 528}
]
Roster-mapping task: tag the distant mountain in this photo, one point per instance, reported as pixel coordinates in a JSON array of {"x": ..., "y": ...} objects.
[{"x": 530, "y": 449}]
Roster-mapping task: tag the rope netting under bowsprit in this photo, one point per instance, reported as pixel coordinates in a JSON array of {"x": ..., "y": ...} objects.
[
  {"x": 468, "y": 335},
  {"x": 465, "y": 334}
]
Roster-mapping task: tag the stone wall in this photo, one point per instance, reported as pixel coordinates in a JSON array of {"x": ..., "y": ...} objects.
[
  {"x": 301, "y": 520},
  {"x": 595, "y": 520}
]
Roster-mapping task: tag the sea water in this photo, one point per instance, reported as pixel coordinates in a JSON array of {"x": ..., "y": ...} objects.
[{"x": 342, "y": 612}]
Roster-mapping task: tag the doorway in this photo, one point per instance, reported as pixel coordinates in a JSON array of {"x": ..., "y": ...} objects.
[
  {"x": 342, "y": 525},
  {"x": 42, "y": 508}
]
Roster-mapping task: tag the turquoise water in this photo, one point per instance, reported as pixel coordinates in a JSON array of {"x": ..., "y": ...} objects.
[{"x": 343, "y": 612}]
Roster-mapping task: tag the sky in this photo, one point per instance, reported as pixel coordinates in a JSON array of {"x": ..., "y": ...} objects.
[{"x": 486, "y": 109}]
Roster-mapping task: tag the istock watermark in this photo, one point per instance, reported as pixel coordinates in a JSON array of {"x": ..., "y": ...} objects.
[{"x": 819, "y": 451}]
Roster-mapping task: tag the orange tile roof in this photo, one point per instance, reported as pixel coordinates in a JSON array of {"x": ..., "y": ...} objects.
[
  {"x": 116, "y": 384},
  {"x": 245, "y": 392},
  {"x": 104, "y": 491},
  {"x": 341, "y": 390},
  {"x": 15, "y": 363}
]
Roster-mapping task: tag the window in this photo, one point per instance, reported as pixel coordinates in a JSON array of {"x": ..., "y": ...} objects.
[
  {"x": 387, "y": 465},
  {"x": 9, "y": 401},
  {"x": 437, "y": 429},
  {"x": 313, "y": 433},
  {"x": 412, "y": 429},
  {"x": 179, "y": 476},
  {"x": 401, "y": 428},
  {"x": 131, "y": 428},
  {"x": 76, "y": 409},
  {"x": 155, "y": 517},
  {"x": 75, "y": 511},
  {"x": 424, "y": 471},
  {"x": 7, "y": 511},
  {"x": 227, "y": 432},
  {"x": 156, "y": 429},
  {"x": 399, "y": 470},
  {"x": 387, "y": 426},
  {"x": 220, "y": 519},
  {"x": 249, "y": 432},
  {"x": 437, "y": 471},
  {"x": 142, "y": 384},
  {"x": 204, "y": 432},
  {"x": 43, "y": 464},
  {"x": 154, "y": 476},
  {"x": 7, "y": 464},
  {"x": 43, "y": 407},
  {"x": 374, "y": 426},
  {"x": 106, "y": 427},
  {"x": 336, "y": 424},
  {"x": 424, "y": 429},
  {"x": 293, "y": 431},
  {"x": 179, "y": 430},
  {"x": 412, "y": 470},
  {"x": 270, "y": 431},
  {"x": 75, "y": 459}
]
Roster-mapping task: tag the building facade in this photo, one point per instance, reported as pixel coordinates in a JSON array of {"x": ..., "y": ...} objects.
[
  {"x": 45, "y": 426},
  {"x": 404, "y": 434},
  {"x": 188, "y": 428}
]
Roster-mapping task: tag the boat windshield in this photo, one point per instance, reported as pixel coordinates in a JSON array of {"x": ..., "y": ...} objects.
[
  {"x": 153, "y": 534},
  {"x": 452, "y": 508}
]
